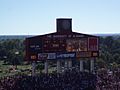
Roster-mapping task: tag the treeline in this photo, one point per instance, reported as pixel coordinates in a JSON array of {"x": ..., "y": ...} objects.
[
  {"x": 109, "y": 52},
  {"x": 12, "y": 51}
]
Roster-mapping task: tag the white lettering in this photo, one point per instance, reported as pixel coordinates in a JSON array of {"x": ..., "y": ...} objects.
[
  {"x": 67, "y": 55},
  {"x": 59, "y": 36},
  {"x": 49, "y": 36},
  {"x": 79, "y": 36}
]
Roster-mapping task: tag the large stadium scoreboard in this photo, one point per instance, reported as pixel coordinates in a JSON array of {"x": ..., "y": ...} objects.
[{"x": 63, "y": 44}]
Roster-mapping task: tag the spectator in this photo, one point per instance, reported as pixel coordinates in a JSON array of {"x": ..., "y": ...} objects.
[{"x": 68, "y": 80}]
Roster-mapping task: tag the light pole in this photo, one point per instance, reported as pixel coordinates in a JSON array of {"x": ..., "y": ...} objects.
[
  {"x": 5, "y": 59},
  {"x": 16, "y": 54}
]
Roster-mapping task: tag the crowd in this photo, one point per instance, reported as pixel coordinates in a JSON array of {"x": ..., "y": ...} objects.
[
  {"x": 108, "y": 80},
  {"x": 69, "y": 80}
]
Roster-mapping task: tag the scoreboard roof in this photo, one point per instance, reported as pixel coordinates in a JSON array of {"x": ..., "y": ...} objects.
[{"x": 62, "y": 35}]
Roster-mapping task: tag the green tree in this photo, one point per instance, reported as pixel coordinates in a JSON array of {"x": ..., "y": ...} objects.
[{"x": 9, "y": 47}]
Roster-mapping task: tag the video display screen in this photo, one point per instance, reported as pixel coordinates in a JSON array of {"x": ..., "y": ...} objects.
[{"x": 76, "y": 45}]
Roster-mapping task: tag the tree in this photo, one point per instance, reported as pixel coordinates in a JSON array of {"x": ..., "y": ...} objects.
[
  {"x": 40, "y": 67},
  {"x": 101, "y": 63},
  {"x": 8, "y": 49},
  {"x": 110, "y": 49}
]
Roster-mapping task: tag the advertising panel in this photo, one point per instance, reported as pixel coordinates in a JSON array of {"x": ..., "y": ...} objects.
[
  {"x": 95, "y": 54},
  {"x": 33, "y": 57},
  {"x": 53, "y": 56},
  {"x": 70, "y": 55},
  {"x": 83, "y": 54},
  {"x": 92, "y": 44},
  {"x": 35, "y": 45},
  {"x": 42, "y": 56},
  {"x": 46, "y": 56}
]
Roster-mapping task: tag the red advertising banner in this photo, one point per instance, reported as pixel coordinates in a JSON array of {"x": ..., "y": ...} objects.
[{"x": 92, "y": 44}]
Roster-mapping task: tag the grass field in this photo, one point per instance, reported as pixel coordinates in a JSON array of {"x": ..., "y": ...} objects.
[
  {"x": 21, "y": 69},
  {"x": 5, "y": 69}
]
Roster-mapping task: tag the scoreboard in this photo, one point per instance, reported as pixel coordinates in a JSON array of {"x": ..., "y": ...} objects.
[
  {"x": 54, "y": 45},
  {"x": 61, "y": 46}
]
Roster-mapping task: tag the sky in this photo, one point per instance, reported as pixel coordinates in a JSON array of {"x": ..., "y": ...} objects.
[{"x": 37, "y": 17}]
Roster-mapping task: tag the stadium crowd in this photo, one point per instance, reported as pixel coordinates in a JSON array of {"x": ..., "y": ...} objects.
[
  {"x": 69, "y": 80},
  {"x": 108, "y": 80}
]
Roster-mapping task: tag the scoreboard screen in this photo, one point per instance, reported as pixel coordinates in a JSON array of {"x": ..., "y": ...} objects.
[{"x": 76, "y": 45}]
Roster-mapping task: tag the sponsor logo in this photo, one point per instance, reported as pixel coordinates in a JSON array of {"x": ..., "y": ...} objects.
[
  {"x": 65, "y": 55},
  {"x": 83, "y": 54},
  {"x": 95, "y": 54},
  {"x": 43, "y": 56},
  {"x": 51, "y": 55},
  {"x": 33, "y": 57}
]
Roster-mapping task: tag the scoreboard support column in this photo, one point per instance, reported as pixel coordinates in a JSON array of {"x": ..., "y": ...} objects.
[
  {"x": 70, "y": 63},
  {"x": 81, "y": 65},
  {"x": 58, "y": 66},
  {"x": 33, "y": 68},
  {"x": 46, "y": 66},
  {"x": 66, "y": 64},
  {"x": 92, "y": 65}
]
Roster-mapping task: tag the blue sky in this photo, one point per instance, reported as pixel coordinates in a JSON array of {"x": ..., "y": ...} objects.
[{"x": 36, "y": 17}]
